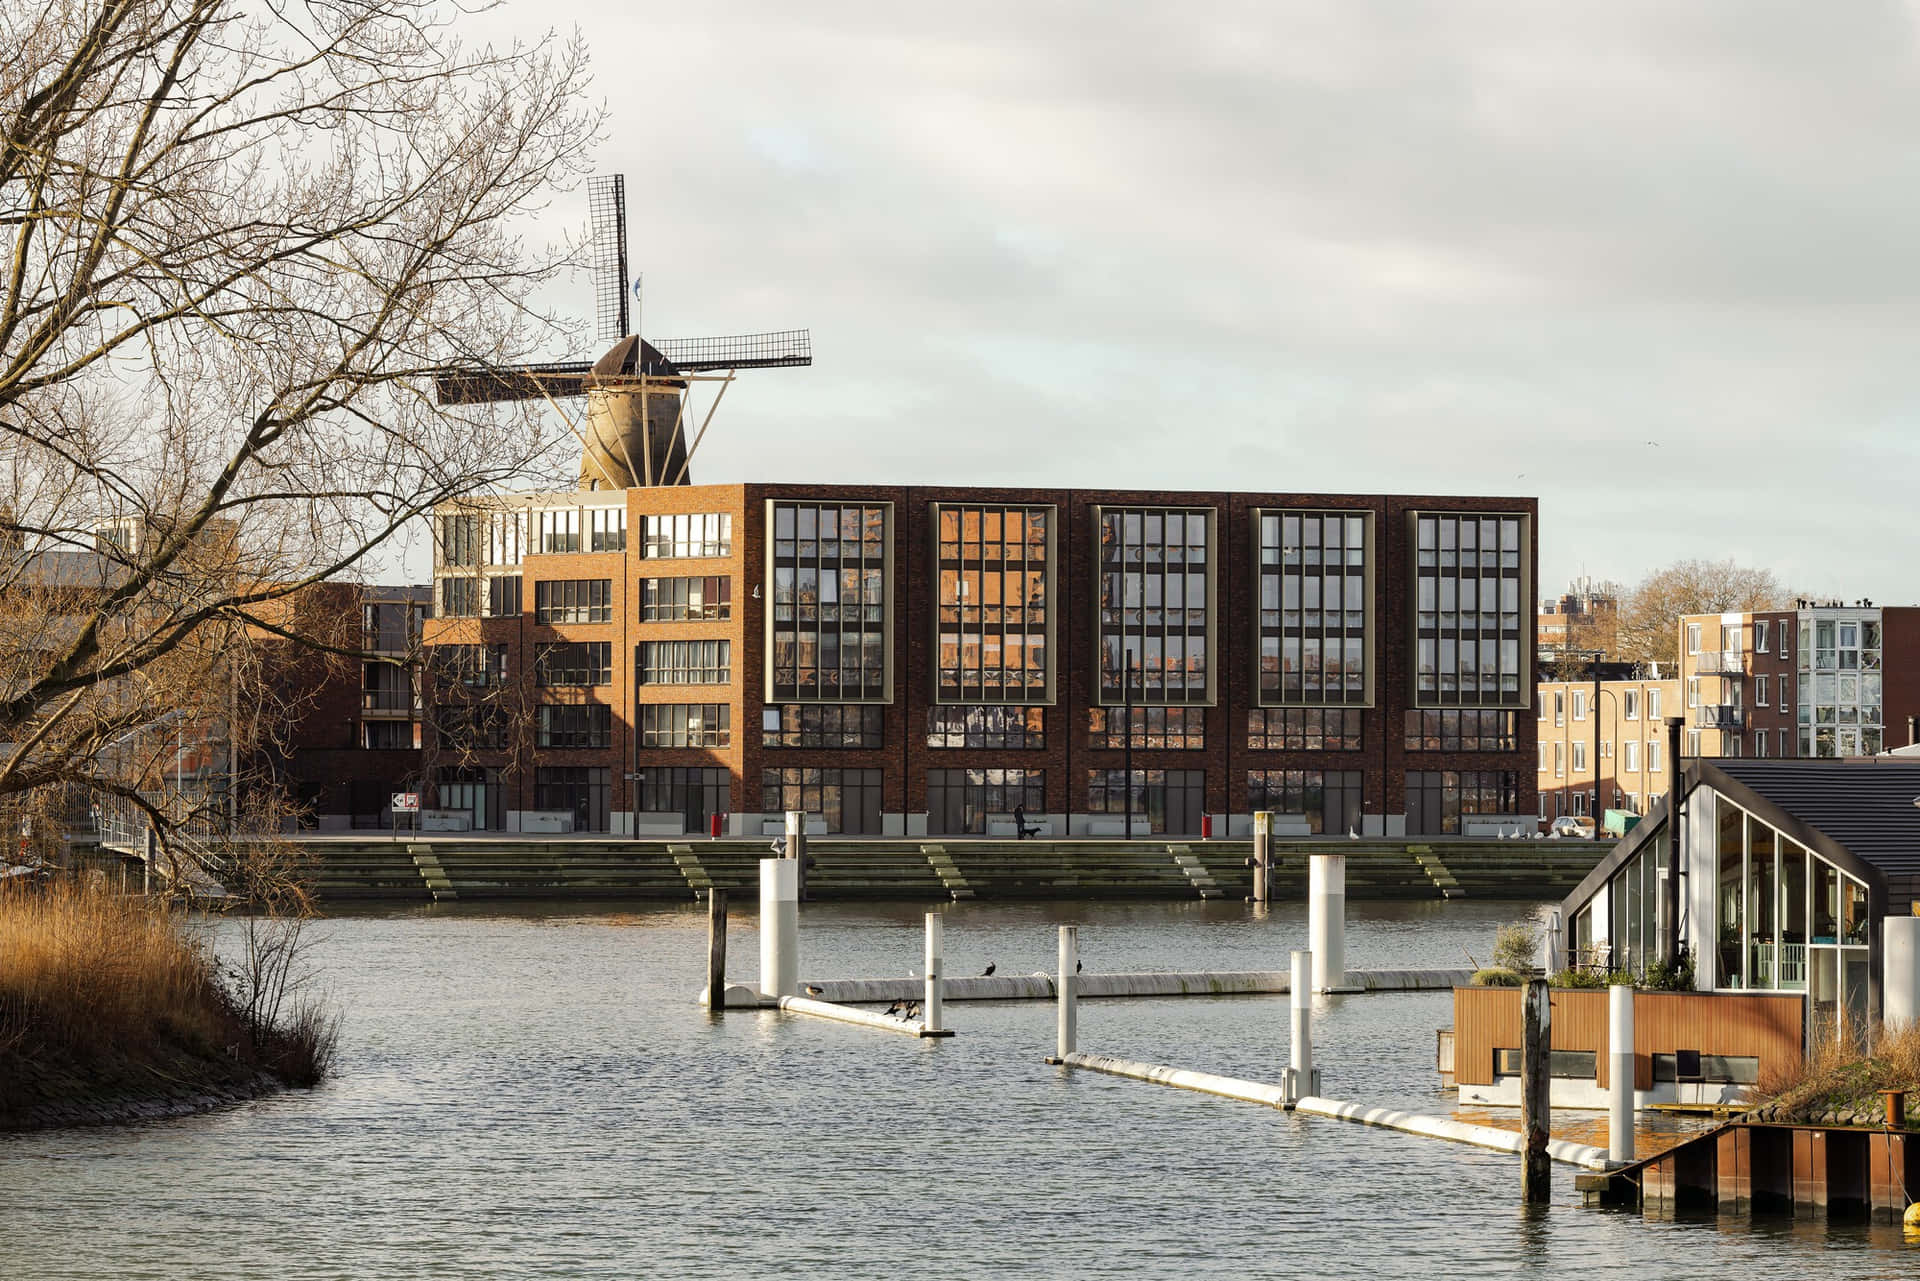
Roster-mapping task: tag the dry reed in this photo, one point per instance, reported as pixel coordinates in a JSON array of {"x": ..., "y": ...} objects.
[
  {"x": 83, "y": 971},
  {"x": 1836, "y": 1076}
]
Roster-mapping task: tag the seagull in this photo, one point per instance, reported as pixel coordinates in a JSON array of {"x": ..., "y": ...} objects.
[
  {"x": 988, "y": 972},
  {"x": 893, "y": 1009},
  {"x": 1352, "y": 835},
  {"x": 815, "y": 991}
]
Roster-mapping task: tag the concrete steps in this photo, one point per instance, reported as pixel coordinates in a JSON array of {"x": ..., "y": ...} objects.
[{"x": 933, "y": 870}]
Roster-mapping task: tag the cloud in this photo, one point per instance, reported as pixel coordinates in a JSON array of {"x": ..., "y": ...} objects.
[{"x": 1439, "y": 247}]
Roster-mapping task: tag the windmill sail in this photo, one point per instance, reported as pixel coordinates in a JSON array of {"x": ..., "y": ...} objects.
[{"x": 607, "y": 204}]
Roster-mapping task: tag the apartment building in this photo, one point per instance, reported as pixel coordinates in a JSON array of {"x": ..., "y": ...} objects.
[
  {"x": 1824, "y": 679},
  {"x": 352, "y": 731},
  {"x": 904, "y": 660},
  {"x": 1603, "y": 744},
  {"x": 1582, "y": 620}
]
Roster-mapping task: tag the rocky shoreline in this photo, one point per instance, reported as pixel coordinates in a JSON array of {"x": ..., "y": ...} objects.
[{"x": 38, "y": 1095}]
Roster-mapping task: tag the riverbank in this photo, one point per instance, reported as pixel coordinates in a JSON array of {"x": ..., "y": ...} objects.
[
  {"x": 442, "y": 867},
  {"x": 1836, "y": 1087},
  {"x": 111, "y": 1009}
]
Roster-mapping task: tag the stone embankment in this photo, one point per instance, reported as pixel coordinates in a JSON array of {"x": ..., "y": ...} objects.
[
  {"x": 935, "y": 869},
  {"x": 41, "y": 1094}
]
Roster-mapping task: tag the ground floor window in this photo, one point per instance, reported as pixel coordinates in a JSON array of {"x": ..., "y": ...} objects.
[
  {"x": 1173, "y": 799},
  {"x": 580, "y": 790},
  {"x": 960, "y": 800},
  {"x": 473, "y": 790},
  {"x": 696, "y": 793},
  {"x": 847, "y": 800},
  {"x": 1330, "y": 799},
  {"x": 1436, "y": 799}
]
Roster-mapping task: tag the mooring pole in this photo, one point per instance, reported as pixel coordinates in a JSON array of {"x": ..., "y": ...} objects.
[
  {"x": 797, "y": 849},
  {"x": 1620, "y": 1072},
  {"x": 1069, "y": 989},
  {"x": 936, "y": 976},
  {"x": 1536, "y": 1044},
  {"x": 716, "y": 949},
  {"x": 779, "y": 927},
  {"x": 1300, "y": 1082},
  {"x": 1327, "y": 919},
  {"x": 1262, "y": 852}
]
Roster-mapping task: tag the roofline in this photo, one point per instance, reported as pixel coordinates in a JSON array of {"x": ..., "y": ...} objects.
[{"x": 1702, "y": 771}]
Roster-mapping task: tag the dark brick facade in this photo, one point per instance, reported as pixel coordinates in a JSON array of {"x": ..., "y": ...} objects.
[{"x": 905, "y": 758}]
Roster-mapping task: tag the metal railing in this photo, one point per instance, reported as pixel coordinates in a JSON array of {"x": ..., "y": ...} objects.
[
  {"x": 1722, "y": 716},
  {"x": 1718, "y": 662}
]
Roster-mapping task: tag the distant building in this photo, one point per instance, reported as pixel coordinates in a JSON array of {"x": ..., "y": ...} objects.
[
  {"x": 1825, "y": 679},
  {"x": 1605, "y": 749},
  {"x": 1583, "y": 620},
  {"x": 347, "y": 730},
  {"x": 902, "y": 660}
]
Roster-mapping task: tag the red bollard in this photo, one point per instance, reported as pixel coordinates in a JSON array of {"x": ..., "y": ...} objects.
[
  {"x": 1206, "y": 827},
  {"x": 713, "y": 826}
]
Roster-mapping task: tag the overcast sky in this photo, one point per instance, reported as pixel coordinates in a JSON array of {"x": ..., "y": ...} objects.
[{"x": 1653, "y": 263}]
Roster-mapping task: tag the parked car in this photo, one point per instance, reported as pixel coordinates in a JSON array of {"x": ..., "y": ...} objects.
[{"x": 1571, "y": 825}]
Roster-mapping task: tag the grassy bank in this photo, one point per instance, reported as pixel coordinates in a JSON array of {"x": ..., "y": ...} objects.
[
  {"x": 1837, "y": 1086},
  {"x": 107, "y": 1002}
]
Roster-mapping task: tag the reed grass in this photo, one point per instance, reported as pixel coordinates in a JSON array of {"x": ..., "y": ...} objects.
[
  {"x": 1834, "y": 1076},
  {"x": 92, "y": 977}
]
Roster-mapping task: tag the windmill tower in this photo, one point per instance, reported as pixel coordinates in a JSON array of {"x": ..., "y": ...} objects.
[{"x": 638, "y": 405}]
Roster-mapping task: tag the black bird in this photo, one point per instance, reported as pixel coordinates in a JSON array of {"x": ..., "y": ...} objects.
[
  {"x": 814, "y": 991},
  {"x": 988, "y": 972},
  {"x": 893, "y": 1009},
  {"x": 912, "y": 1011},
  {"x": 1078, "y": 966}
]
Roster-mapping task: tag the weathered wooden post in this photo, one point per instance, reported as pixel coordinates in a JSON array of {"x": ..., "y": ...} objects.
[
  {"x": 1069, "y": 1024},
  {"x": 936, "y": 972},
  {"x": 1262, "y": 853},
  {"x": 716, "y": 949},
  {"x": 1620, "y": 1072},
  {"x": 1536, "y": 1078}
]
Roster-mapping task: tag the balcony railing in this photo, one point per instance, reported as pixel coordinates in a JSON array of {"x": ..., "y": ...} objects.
[
  {"x": 1719, "y": 662},
  {"x": 388, "y": 700},
  {"x": 1722, "y": 716}
]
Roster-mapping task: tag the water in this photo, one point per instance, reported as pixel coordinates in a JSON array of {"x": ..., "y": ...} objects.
[{"x": 533, "y": 1093}]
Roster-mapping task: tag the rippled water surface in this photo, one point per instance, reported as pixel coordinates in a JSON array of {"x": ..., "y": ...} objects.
[{"x": 533, "y": 1093}]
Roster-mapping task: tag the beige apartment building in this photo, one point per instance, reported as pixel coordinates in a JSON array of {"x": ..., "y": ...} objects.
[{"x": 1603, "y": 745}]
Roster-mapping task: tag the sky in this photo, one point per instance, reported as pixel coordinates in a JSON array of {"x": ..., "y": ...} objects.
[{"x": 1652, "y": 263}]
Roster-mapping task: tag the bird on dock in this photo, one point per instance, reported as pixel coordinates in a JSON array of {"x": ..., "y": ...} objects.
[
  {"x": 912, "y": 1011},
  {"x": 988, "y": 972},
  {"x": 815, "y": 991},
  {"x": 893, "y": 1009}
]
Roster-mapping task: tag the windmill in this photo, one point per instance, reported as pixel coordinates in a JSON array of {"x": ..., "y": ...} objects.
[{"x": 637, "y": 392}]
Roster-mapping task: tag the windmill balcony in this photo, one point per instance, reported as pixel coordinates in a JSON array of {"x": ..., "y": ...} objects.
[
  {"x": 1717, "y": 662},
  {"x": 1722, "y": 716}
]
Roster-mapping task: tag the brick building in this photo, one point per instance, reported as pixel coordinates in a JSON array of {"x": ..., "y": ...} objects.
[
  {"x": 343, "y": 733},
  {"x": 1582, "y": 620},
  {"x": 1824, "y": 679},
  {"x": 900, "y": 660},
  {"x": 1605, "y": 747}
]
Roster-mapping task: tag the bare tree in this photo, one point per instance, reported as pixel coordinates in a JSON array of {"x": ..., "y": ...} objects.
[
  {"x": 237, "y": 241},
  {"x": 1649, "y": 614}
]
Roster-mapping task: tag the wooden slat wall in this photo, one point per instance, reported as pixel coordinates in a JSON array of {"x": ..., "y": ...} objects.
[{"x": 1749, "y": 1023}]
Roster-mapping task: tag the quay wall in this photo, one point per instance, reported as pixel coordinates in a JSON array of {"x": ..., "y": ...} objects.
[{"x": 433, "y": 866}]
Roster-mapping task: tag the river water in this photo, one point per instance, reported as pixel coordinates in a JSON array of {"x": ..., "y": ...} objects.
[{"x": 532, "y": 1092}]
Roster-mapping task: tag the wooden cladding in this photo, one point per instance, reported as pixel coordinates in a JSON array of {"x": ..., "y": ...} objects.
[{"x": 1765, "y": 1026}]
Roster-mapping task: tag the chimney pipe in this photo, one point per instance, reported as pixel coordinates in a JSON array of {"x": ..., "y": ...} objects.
[{"x": 1913, "y": 730}]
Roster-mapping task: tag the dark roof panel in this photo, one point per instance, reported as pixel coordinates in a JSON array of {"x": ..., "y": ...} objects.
[{"x": 1865, "y": 805}]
